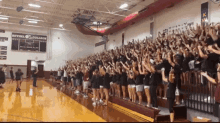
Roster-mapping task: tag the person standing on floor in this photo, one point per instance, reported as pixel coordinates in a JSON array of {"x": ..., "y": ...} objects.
[
  {"x": 34, "y": 75},
  {"x": 170, "y": 91},
  {"x": 4, "y": 69},
  {"x": 12, "y": 75},
  {"x": 2, "y": 77},
  {"x": 19, "y": 75},
  {"x": 86, "y": 82}
]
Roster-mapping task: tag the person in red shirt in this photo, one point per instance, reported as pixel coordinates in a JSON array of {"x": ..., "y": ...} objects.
[{"x": 86, "y": 82}]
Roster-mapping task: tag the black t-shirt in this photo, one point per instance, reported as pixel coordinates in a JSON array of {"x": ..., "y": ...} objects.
[
  {"x": 165, "y": 64},
  {"x": 146, "y": 79},
  {"x": 139, "y": 79},
  {"x": 123, "y": 77},
  {"x": 114, "y": 78},
  {"x": 171, "y": 90},
  {"x": 177, "y": 73},
  {"x": 155, "y": 78},
  {"x": 107, "y": 80},
  {"x": 122, "y": 58},
  {"x": 210, "y": 63},
  {"x": 185, "y": 64},
  {"x": 18, "y": 75},
  {"x": 11, "y": 73},
  {"x": 62, "y": 72},
  {"x": 131, "y": 82},
  {"x": 79, "y": 75},
  {"x": 33, "y": 73},
  {"x": 218, "y": 42}
]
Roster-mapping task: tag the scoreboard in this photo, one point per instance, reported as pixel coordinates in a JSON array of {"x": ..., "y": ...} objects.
[{"x": 28, "y": 42}]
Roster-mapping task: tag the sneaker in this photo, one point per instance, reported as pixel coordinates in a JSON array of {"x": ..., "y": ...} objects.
[
  {"x": 94, "y": 103},
  {"x": 164, "y": 98},
  {"x": 77, "y": 92},
  {"x": 93, "y": 99},
  {"x": 100, "y": 101},
  {"x": 85, "y": 96}
]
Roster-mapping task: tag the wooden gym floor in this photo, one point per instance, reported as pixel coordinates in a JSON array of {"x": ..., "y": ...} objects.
[{"x": 47, "y": 103}]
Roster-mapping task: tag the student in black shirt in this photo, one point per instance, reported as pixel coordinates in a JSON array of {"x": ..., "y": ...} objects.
[
  {"x": 18, "y": 78},
  {"x": 106, "y": 84},
  {"x": 95, "y": 86},
  {"x": 177, "y": 71},
  {"x": 34, "y": 75},
  {"x": 2, "y": 77},
  {"x": 170, "y": 91},
  {"x": 51, "y": 75},
  {"x": 79, "y": 76},
  {"x": 12, "y": 75}
]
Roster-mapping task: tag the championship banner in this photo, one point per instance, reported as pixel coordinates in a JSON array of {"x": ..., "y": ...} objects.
[
  {"x": 123, "y": 39},
  {"x": 3, "y": 39},
  {"x": 204, "y": 13},
  {"x": 152, "y": 29},
  {"x": 2, "y": 31}
]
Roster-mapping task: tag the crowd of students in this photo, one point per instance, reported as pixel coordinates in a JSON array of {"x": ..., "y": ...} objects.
[{"x": 142, "y": 66}]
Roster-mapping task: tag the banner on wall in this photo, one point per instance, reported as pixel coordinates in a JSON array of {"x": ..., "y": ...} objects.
[
  {"x": 3, "y": 52},
  {"x": 3, "y": 57},
  {"x": 3, "y": 47},
  {"x": 152, "y": 29},
  {"x": 181, "y": 27},
  {"x": 204, "y": 13},
  {"x": 3, "y": 39},
  {"x": 2, "y": 31}
]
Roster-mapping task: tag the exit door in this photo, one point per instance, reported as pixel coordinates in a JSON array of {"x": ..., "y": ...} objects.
[{"x": 41, "y": 71}]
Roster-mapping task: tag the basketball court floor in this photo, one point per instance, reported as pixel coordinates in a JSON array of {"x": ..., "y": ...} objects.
[{"x": 46, "y": 103}]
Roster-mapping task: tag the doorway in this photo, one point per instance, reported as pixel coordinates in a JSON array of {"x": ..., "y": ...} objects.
[{"x": 41, "y": 71}]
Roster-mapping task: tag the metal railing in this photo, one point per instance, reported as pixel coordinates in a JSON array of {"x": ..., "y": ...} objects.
[{"x": 199, "y": 92}]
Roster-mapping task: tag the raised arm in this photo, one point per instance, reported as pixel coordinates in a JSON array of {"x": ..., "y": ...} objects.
[
  {"x": 201, "y": 53},
  {"x": 163, "y": 75},
  {"x": 139, "y": 68},
  {"x": 170, "y": 61},
  {"x": 124, "y": 65},
  {"x": 210, "y": 79}
]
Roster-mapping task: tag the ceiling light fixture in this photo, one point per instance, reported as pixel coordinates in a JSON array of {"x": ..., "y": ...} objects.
[
  {"x": 32, "y": 22},
  {"x": 3, "y": 18},
  {"x": 61, "y": 25},
  {"x": 34, "y": 5},
  {"x": 95, "y": 23},
  {"x": 123, "y": 6}
]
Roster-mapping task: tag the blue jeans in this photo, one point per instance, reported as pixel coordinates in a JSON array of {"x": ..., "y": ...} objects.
[{"x": 34, "y": 81}]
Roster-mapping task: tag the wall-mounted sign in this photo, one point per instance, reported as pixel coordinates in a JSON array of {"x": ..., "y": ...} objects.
[
  {"x": 3, "y": 57},
  {"x": 2, "y": 39},
  {"x": 29, "y": 36}
]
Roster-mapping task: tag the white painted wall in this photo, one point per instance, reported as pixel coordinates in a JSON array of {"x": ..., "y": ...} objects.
[
  {"x": 69, "y": 45},
  {"x": 186, "y": 11}
]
